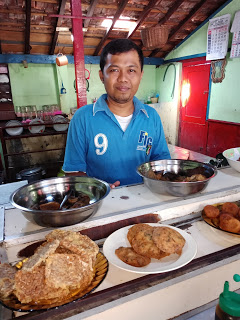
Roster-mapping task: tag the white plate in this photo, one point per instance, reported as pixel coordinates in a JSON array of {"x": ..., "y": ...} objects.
[
  {"x": 14, "y": 131},
  {"x": 61, "y": 126},
  {"x": 119, "y": 239},
  {"x": 36, "y": 129}
]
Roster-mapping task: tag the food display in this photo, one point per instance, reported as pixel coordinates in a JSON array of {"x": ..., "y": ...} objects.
[
  {"x": 224, "y": 216},
  {"x": 189, "y": 175},
  {"x": 72, "y": 202},
  {"x": 61, "y": 270},
  {"x": 149, "y": 242}
]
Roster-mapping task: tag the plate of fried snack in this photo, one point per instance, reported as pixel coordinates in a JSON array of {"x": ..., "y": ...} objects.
[
  {"x": 149, "y": 248},
  {"x": 223, "y": 216},
  {"x": 64, "y": 268}
]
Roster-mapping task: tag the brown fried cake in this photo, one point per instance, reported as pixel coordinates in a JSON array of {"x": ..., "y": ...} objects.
[
  {"x": 135, "y": 229},
  {"x": 168, "y": 240},
  {"x": 129, "y": 256},
  {"x": 144, "y": 245}
]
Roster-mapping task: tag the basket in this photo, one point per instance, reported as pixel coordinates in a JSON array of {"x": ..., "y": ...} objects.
[{"x": 154, "y": 37}]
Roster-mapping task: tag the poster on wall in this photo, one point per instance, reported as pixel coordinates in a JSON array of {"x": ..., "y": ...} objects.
[
  {"x": 217, "y": 37},
  {"x": 235, "y": 29}
]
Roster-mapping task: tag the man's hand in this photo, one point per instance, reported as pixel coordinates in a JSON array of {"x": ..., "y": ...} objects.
[{"x": 115, "y": 184}]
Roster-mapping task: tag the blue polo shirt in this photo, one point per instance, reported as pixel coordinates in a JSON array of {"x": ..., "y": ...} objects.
[{"x": 97, "y": 145}]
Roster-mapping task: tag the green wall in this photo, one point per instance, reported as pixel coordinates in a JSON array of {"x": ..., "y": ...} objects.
[
  {"x": 224, "y": 100},
  {"x": 40, "y": 84}
]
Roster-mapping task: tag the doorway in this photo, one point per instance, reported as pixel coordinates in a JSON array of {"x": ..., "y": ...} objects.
[{"x": 193, "y": 127}]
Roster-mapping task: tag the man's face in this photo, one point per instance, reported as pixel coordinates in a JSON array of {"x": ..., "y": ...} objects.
[{"x": 121, "y": 76}]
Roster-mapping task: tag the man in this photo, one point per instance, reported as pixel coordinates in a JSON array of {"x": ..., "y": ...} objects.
[{"x": 109, "y": 139}]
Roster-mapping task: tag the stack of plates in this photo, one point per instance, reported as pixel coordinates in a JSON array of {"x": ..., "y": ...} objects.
[
  {"x": 14, "y": 131},
  {"x": 60, "y": 123},
  {"x": 36, "y": 129}
]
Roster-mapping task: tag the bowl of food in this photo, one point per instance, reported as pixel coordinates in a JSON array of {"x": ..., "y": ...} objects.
[
  {"x": 59, "y": 202},
  {"x": 176, "y": 177},
  {"x": 233, "y": 157}
]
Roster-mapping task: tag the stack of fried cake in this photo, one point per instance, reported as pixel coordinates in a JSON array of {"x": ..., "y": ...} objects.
[
  {"x": 150, "y": 242},
  {"x": 63, "y": 264}
]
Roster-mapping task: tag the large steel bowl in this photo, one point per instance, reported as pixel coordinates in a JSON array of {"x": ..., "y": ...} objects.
[
  {"x": 54, "y": 189},
  {"x": 178, "y": 189}
]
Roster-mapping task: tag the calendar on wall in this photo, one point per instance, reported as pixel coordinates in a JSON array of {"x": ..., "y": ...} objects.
[
  {"x": 217, "y": 37},
  {"x": 235, "y": 29}
]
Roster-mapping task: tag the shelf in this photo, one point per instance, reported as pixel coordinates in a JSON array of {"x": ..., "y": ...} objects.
[{"x": 27, "y": 134}]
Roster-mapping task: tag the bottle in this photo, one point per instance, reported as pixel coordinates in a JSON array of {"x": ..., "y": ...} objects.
[
  {"x": 228, "y": 307},
  {"x": 149, "y": 100}
]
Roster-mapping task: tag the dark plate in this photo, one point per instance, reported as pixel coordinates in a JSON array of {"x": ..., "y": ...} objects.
[
  {"x": 101, "y": 269},
  {"x": 213, "y": 222}
]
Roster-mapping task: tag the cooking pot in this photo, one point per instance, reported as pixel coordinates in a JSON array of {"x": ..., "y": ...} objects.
[{"x": 31, "y": 174}]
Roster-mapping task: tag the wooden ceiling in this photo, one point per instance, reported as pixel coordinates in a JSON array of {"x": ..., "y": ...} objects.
[{"x": 37, "y": 27}]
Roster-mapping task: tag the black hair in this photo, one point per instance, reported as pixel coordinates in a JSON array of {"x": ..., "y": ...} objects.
[{"x": 119, "y": 46}]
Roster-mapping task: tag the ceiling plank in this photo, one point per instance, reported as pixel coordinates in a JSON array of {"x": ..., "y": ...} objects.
[
  {"x": 170, "y": 12},
  {"x": 143, "y": 16},
  {"x": 182, "y": 24},
  {"x": 90, "y": 12},
  {"x": 27, "y": 47},
  {"x": 61, "y": 10},
  {"x": 121, "y": 8}
]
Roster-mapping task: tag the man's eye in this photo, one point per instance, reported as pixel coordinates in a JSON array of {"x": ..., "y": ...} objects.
[
  {"x": 113, "y": 70},
  {"x": 132, "y": 70}
]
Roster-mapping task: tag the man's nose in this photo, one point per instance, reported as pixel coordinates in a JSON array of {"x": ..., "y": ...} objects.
[{"x": 122, "y": 76}]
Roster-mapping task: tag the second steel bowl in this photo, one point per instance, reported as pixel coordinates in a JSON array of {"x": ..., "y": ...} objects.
[
  {"x": 54, "y": 189},
  {"x": 178, "y": 189}
]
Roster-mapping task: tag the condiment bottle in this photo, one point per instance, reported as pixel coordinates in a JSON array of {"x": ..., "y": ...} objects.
[{"x": 228, "y": 307}]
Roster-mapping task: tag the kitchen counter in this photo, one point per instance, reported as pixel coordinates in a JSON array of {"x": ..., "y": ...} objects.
[{"x": 180, "y": 293}]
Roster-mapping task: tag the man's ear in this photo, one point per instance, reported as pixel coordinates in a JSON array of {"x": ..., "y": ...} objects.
[
  {"x": 142, "y": 75},
  {"x": 101, "y": 76}
]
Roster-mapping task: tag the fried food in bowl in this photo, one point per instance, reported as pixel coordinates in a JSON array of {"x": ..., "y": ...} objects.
[
  {"x": 176, "y": 177},
  {"x": 40, "y": 201}
]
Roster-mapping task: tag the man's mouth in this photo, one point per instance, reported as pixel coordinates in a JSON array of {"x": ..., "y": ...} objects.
[{"x": 123, "y": 89}]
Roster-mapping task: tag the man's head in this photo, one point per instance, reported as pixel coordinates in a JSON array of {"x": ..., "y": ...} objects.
[
  {"x": 119, "y": 46},
  {"x": 121, "y": 71}
]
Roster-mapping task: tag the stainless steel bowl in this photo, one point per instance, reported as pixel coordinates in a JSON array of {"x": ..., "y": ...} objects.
[
  {"x": 178, "y": 189},
  {"x": 54, "y": 189}
]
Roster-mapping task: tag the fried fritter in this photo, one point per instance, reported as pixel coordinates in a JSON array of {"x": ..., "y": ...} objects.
[
  {"x": 228, "y": 223},
  {"x": 67, "y": 271},
  {"x": 135, "y": 229},
  {"x": 30, "y": 286},
  {"x": 7, "y": 275},
  {"x": 40, "y": 255},
  {"x": 230, "y": 208},
  {"x": 49, "y": 206},
  {"x": 211, "y": 211},
  {"x": 168, "y": 240},
  {"x": 129, "y": 256},
  {"x": 144, "y": 245}
]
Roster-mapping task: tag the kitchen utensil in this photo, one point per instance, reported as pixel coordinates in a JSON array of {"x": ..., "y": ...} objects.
[
  {"x": 63, "y": 90},
  {"x": 61, "y": 60},
  {"x": 31, "y": 174},
  {"x": 60, "y": 123},
  {"x": 14, "y": 131},
  {"x": 233, "y": 157},
  {"x": 67, "y": 195},
  {"x": 36, "y": 129},
  {"x": 178, "y": 189},
  {"x": 54, "y": 189}
]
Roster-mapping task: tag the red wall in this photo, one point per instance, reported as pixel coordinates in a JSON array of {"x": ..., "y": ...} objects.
[{"x": 221, "y": 136}]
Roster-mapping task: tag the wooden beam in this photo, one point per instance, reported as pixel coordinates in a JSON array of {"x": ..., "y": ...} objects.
[
  {"x": 90, "y": 12},
  {"x": 121, "y": 8},
  {"x": 181, "y": 25},
  {"x": 27, "y": 47},
  {"x": 143, "y": 16},
  {"x": 61, "y": 10}
]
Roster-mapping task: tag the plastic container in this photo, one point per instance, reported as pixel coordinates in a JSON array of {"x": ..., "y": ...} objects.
[{"x": 228, "y": 307}]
